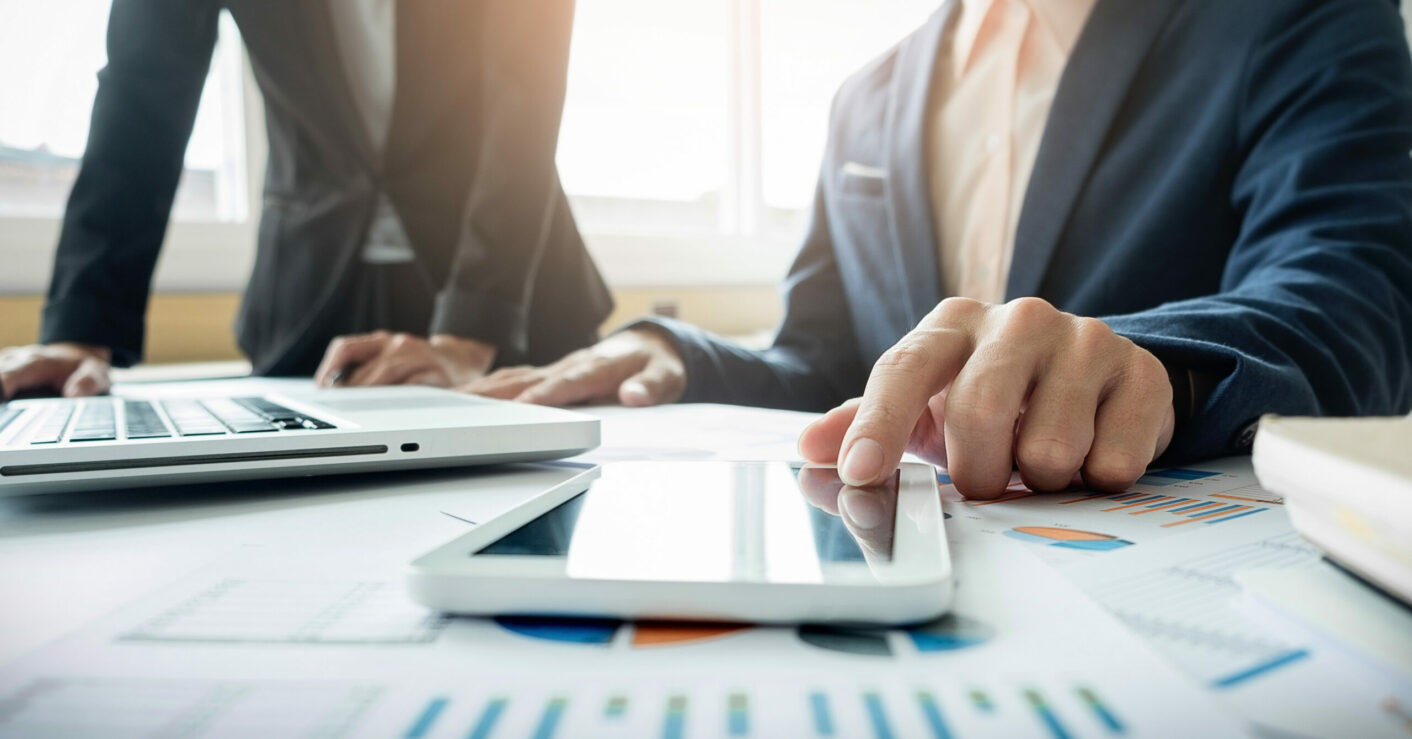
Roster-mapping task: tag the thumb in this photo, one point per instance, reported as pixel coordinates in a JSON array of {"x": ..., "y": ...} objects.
[{"x": 90, "y": 378}]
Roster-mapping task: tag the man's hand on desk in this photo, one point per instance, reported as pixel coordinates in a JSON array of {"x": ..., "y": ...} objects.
[
  {"x": 637, "y": 367},
  {"x": 68, "y": 369},
  {"x": 983, "y": 388},
  {"x": 385, "y": 358}
]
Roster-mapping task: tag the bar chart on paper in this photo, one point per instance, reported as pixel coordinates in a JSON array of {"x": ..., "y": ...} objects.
[
  {"x": 1071, "y": 526},
  {"x": 230, "y": 708},
  {"x": 293, "y": 611},
  {"x": 1186, "y": 607}
]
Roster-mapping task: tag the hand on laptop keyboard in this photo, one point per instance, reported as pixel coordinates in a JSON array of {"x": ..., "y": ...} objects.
[{"x": 68, "y": 369}]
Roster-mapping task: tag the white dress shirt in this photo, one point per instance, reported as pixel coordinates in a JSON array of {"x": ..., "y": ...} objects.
[{"x": 367, "y": 40}]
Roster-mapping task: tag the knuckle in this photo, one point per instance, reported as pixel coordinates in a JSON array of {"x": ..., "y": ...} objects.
[
  {"x": 1030, "y": 309},
  {"x": 956, "y": 309},
  {"x": 974, "y": 408},
  {"x": 910, "y": 356},
  {"x": 1049, "y": 454},
  {"x": 1148, "y": 370},
  {"x": 1092, "y": 336},
  {"x": 1114, "y": 469},
  {"x": 1028, "y": 320},
  {"x": 401, "y": 341}
]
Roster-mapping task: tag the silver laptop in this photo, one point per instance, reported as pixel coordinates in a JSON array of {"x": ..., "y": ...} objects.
[{"x": 59, "y": 445}]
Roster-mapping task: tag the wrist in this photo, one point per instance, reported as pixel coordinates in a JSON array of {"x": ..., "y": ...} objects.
[
  {"x": 476, "y": 356},
  {"x": 101, "y": 353}
]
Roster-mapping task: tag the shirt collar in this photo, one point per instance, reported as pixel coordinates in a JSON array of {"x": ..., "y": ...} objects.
[{"x": 1061, "y": 21}]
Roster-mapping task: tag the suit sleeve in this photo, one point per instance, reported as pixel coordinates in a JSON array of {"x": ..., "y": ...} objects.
[
  {"x": 813, "y": 362},
  {"x": 159, "y": 52},
  {"x": 1314, "y": 315},
  {"x": 512, "y": 204}
]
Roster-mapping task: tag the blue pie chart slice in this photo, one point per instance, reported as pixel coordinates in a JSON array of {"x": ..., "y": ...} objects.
[
  {"x": 563, "y": 630},
  {"x": 949, "y": 633}
]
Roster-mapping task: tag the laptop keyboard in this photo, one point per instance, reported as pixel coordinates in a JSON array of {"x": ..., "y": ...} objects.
[
  {"x": 97, "y": 420},
  {"x": 7, "y": 417}
]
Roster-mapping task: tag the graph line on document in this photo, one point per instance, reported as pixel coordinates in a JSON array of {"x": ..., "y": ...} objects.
[{"x": 1186, "y": 609}]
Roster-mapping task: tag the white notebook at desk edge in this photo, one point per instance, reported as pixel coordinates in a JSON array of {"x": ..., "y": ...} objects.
[{"x": 1347, "y": 484}]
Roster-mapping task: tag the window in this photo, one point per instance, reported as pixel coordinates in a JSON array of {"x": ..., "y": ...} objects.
[
  {"x": 47, "y": 83},
  {"x": 690, "y": 142},
  {"x": 693, "y": 130}
]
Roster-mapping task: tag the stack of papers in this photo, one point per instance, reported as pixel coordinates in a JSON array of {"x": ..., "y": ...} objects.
[{"x": 1348, "y": 487}]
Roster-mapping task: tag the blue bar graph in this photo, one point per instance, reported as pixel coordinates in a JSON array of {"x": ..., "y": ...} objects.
[
  {"x": 553, "y": 712},
  {"x": 1260, "y": 669},
  {"x": 1239, "y": 515},
  {"x": 1174, "y": 476},
  {"x": 823, "y": 720},
  {"x": 982, "y": 701},
  {"x": 1046, "y": 715},
  {"x": 675, "y": 724},
  {"x": 1218, "y": 510},
  {"x": 738, "y": 714},
  {"x": 424, "y": 722},
  {"x": 932, "y": 712},
  {"x": 488, "y": 719},
  {"x": 877, "y": 716},
  {"x": 1105, "y": 716}
]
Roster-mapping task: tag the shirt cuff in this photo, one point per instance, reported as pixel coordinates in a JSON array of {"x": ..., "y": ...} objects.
[
  {"x": 497, "y": 322},
  {"x": 85, "y": 321}
]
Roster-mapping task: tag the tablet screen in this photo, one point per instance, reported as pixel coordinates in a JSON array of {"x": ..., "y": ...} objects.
[{"x": 727, "y": 522}]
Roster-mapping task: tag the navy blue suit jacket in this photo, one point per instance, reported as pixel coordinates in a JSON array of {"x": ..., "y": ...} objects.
[{"x": 1225, "y": 182}]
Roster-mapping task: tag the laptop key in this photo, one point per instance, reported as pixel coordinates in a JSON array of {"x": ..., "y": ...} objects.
[
  {"x": 191, "y": 419},
  {"x": 237, "y": 417},
  {"x": 51, "y": 429},
  {"x": 143, "y": 422},
  {"x": 284, "y": 418},
  {"x": 8, "y": 417},
  {"x": 97, "y": 421}
]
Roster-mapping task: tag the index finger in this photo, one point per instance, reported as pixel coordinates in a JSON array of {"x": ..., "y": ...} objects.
[
  {"x": 346, "y": 351},
  {"x": 919, "y": 366}
]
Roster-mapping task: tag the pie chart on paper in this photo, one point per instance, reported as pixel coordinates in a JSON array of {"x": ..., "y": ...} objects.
[{"x": 1068, "y": 538}]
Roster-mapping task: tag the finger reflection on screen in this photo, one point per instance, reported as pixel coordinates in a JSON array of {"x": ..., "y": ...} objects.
[{"x": 869, "y": 514}]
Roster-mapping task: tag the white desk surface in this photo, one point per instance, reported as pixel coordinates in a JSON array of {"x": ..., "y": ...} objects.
[{"x": 66, "y": 560}]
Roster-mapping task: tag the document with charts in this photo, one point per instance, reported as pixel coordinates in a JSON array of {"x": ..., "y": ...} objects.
[{"x": 328, "y": 649}]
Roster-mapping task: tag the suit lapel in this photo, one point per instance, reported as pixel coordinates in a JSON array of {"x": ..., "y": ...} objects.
[
  {"x": 1095, "y": 82},
  {"x": 908, "y": 187},
  {"x": 333, "y": 77}
]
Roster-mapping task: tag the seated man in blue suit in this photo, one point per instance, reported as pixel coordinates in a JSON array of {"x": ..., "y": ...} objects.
[{"x": 1217, "y": 224}]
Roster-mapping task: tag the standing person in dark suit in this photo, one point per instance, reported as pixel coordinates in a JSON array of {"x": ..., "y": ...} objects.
[
  {"x": 1073, "y": 236},
  {"x": 411, "y": 201}
]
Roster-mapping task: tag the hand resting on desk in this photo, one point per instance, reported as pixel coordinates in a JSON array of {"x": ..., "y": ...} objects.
[
  {"x": 386, "y": 358},
  {"x": 637, "y": 367}
]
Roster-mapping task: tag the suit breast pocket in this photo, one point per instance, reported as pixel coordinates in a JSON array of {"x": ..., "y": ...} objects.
[{"x": 862, "y": 180}]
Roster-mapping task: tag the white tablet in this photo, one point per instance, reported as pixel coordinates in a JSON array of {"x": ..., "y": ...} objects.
[{"x": 716, "y": 541}]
